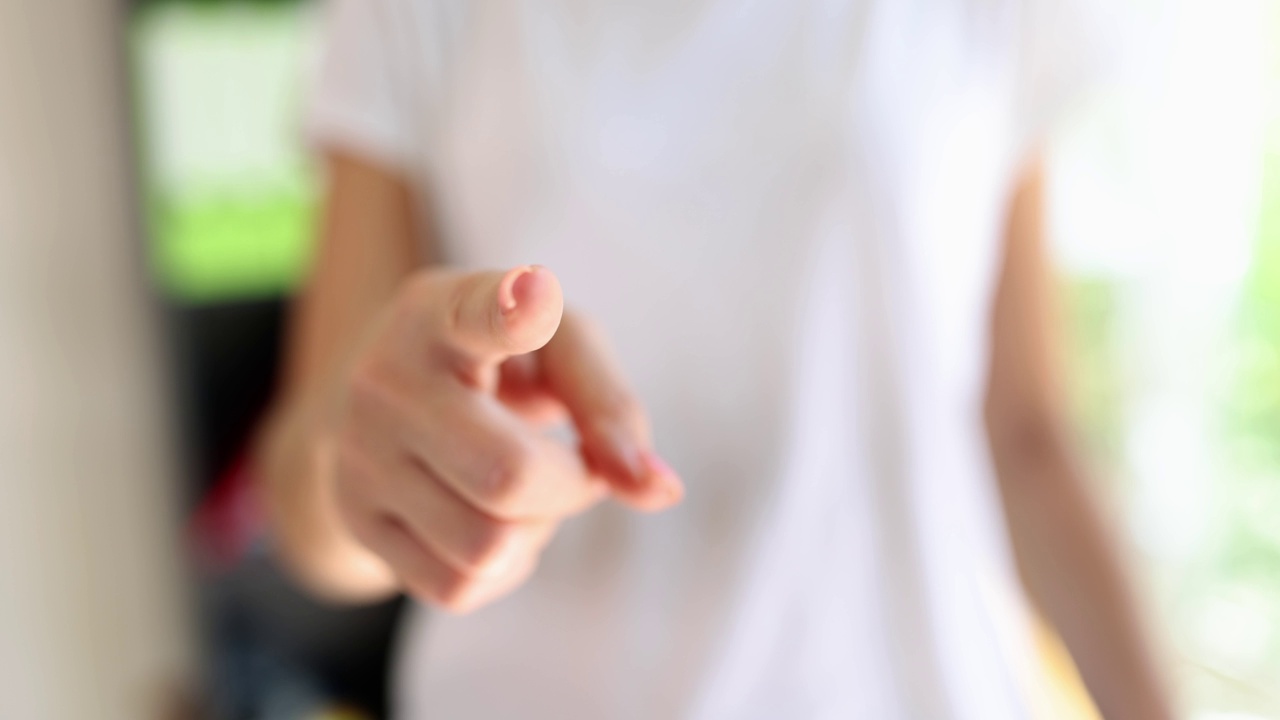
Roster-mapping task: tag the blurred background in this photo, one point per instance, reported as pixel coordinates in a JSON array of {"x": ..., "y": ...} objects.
[{"x": 175, "y": 131}]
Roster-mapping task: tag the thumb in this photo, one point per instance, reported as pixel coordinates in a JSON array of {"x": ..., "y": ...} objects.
[{"x": 487, "y": 317}]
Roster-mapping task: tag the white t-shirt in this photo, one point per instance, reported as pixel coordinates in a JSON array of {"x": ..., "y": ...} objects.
[{"x": 787, "y": 215}]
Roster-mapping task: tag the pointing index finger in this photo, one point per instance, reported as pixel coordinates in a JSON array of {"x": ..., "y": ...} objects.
[{"x": 610, "y": 420}]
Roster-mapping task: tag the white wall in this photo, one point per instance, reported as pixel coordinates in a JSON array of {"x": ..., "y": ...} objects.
[{"x": 91, "y": 621}]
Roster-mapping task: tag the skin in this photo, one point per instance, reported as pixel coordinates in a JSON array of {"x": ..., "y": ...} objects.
[
  {"x": 407, "y": 449},
  {"x": 1069, "y": 561},
  {"x": 405, "y": 452}
]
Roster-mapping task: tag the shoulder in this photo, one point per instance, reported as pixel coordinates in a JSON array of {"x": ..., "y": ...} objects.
[
  {"x": 393, "y": 27},
  {"x": 377, "y": 73}
]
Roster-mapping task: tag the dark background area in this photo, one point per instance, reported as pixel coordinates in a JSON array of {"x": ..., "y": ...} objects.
[
  {"x": 269, "y": 651},
  {"x": 272, "y": 652}
]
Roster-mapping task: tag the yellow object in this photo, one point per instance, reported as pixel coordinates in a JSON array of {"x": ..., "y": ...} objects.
[
  {"x": 1065, "y": 691},
  {"x": 341, "y": 713}
]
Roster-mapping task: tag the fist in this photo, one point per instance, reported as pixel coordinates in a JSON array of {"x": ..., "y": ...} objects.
[{"x": 444, "y": 466}]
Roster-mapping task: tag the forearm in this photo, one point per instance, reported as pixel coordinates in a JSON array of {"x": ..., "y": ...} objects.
[
  {"x": 368, "y": 246},
  {"x": 294, "y": 468},
  {"x": 1071, "y": 567}
]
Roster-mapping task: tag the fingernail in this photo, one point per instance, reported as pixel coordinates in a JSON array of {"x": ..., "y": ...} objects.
[
  {"x": 658, "y": 468},
  {"x": 514, "y": 288},
  {"x": 629, "y": 457},
  {"x": 523, "y": 286}
]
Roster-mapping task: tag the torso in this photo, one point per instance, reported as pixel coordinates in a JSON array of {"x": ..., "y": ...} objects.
[{"x": 786, "y": 215}]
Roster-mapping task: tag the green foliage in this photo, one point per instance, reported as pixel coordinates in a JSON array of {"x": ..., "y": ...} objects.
[
  {"x": 1247, "y": 559},
  {"x": 1094, "y": 384},
  {"x": 211, "y": 3},
  {"x": 1250, "y": 551},
  {"x": 1254, "y": 409},
  {"x": 232, "y": 246}
]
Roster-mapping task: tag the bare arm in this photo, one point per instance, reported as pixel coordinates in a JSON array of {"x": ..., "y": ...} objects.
[
  {"x": 405, "y": 450},
  {"x": 367, "y": 248},
  {"x": 1065, "y": 552}
]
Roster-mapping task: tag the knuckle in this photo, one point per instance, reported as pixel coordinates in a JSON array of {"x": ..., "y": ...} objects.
[
  {"x": 355, "y": 472},
  {"x": 491, "y": 544},
  {"x": 619, "y": 412},
  {"x": 622, "y": 406},
  {"x": 507, "y": 477},
  {"x": 416, "y": 291},
  {"x": 414, "y": 300},
  {"x": 452, "y": 592},
  {"x": 350, "y": 471},
  {"x": 377, "y": 393},
  {"x": 456, "y": 301},
  {"x": 368, "y": 390},
  {"x": 361, "y": 523},
  {"x": 453, "y": 301}
]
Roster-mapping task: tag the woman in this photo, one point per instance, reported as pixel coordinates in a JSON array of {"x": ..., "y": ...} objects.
[{"x": 792, "y": 250}]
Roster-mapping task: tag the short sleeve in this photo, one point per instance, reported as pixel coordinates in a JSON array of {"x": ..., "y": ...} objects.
[
  {"x": 361, "y": 96},
  {"x": 1067, "y": 50}
]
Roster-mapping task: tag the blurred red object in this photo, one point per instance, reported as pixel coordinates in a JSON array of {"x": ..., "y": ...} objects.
[{"x": 228, "y": 521}]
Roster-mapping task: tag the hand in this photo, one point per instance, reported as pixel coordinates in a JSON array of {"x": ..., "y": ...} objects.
[{"x": 443, "y": 466}]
